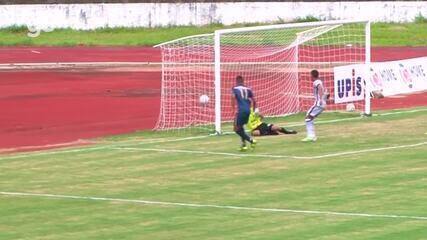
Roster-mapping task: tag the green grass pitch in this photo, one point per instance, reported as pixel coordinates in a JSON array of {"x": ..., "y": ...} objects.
[
  {"x": 383, "y": 34},
  {"x": 389, "y": 181}
]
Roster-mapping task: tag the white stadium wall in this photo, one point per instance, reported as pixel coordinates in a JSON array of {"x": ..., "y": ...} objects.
[{"x": 91, "y": 16}]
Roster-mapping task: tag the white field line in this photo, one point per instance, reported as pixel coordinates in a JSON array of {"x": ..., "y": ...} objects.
[
  {"x": 198, "y": 205},
  {"x": 86, "y": 149},
  {"x": 46, "y": 146},
  {"x": 168, "y": 150},
  {"x": 302, "y": 123},
  {"x": 271, "y": 155},
  {"x": 400, "y": 112},
  {"x": 299, "y": 124},
  {"x": 142, "y": 141}
]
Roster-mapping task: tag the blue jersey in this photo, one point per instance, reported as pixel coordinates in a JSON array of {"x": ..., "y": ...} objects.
[{"x": 243, "y": 97}]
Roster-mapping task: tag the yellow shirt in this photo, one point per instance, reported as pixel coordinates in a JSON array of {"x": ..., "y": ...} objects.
[{"x": 254, "y": 120}]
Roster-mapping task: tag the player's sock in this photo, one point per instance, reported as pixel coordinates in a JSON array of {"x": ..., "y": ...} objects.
[
  {"x": 241, "y": 132},
  {"x": 310, "y": 128}
]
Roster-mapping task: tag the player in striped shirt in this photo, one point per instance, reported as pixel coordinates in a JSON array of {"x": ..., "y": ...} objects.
[{"x": 321, "y": 95}]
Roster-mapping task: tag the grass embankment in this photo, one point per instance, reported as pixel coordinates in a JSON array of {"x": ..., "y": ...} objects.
[{"x": 383, "y": 34}]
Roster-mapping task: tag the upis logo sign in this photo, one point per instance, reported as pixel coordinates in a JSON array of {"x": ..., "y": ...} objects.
[
  {"x": 349, "y": 83},
  {"x": 349, "y": 87}
]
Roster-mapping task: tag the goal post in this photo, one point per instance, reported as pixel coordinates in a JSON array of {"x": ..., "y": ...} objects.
[
  {"x": 367, "y": 70},
  {"x": 217, "y": 69},
  {"x": 274, "y": 60}
]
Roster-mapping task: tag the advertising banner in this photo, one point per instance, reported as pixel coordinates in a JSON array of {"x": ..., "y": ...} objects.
[
  {"x": 388, "y": 78},
  {"x": 399, "y": 77}
]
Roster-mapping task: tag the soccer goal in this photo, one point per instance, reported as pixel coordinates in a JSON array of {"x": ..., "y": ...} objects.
[{"x": 199, "y": 71}]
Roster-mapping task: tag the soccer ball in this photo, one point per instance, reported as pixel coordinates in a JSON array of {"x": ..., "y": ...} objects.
[
  {"x": 350, "y": 107},
  {"x": 203, "y": 99}
]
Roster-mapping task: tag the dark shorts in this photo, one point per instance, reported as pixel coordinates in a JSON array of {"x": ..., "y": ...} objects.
[
  {"x": 242, "y": 118},
  {"x": 265, "y": 129}
]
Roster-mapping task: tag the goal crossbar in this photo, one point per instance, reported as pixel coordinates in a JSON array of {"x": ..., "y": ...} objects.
[{"x": 288, "y": 25}]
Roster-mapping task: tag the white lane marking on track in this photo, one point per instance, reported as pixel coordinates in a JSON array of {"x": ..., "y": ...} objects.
[
  {"x": 271, "y": 155},
  {"x": 34, "y": 51},
  {"x": 198, "y": 205}
]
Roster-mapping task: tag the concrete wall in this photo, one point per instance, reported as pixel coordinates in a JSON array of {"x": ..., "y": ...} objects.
[{"x": 90, "y": 16}]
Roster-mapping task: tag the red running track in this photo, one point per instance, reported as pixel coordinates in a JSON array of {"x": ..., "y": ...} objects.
[
  {"x": 55, "y": 107},
  {"x": 41, "y": 108},
  {"x": 78, "y": 54},
  {"x": 147, "y": 54}
]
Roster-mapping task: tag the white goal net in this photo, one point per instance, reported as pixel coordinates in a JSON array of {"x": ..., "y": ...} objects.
[{"x": 275, "y": 61}]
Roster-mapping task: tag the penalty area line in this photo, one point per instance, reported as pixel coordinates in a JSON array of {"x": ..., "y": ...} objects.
[
  {"x": 271, "y": 155},
  {"x": 95, "y": 148},
  {"x": 229, "y": 207}
]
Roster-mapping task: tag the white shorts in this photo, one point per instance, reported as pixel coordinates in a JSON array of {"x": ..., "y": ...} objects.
[{"x": 315, "y": 111}]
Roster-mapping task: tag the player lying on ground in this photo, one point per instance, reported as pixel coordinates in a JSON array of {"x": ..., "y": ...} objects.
[
  {"x": 244, "y": 98},
  {"x": 321, "y": 95},
  {"x": 260, "y": 128}
]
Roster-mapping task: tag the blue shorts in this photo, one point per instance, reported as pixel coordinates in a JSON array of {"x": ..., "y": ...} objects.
[{"x": 242, "y": 118}]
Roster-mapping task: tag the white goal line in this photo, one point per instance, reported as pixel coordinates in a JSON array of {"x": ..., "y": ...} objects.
[
  {"x": 243, "y": 155},
  {"x": 356, "y": 118},
  {"x": 198, "y": 205},
  {"x": 300, "y": 124},
  {"x": 56, "y": 65}
]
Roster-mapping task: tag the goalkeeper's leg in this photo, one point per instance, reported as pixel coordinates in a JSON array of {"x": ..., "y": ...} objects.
[
  {"x": 283, "y": 130},
  {"x": 265, "y": 129}
]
